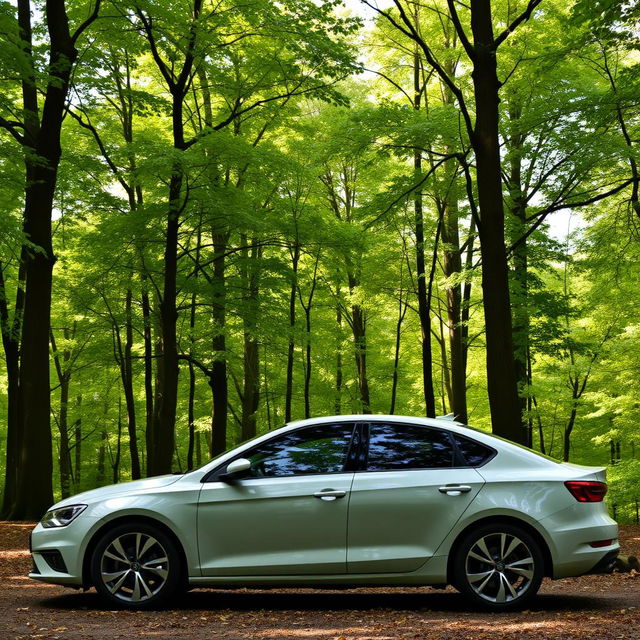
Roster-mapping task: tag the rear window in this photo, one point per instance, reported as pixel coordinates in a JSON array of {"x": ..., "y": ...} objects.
[{"x": 474, "y": 453}]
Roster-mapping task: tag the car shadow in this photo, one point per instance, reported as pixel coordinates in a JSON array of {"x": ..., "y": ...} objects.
[{"x": 314, "y": 600}]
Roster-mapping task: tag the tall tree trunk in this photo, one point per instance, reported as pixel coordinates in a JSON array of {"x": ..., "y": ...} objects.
[
  {"x": 251, "y": 382},
  {"x": 127, "y": 386},
  {"x": 519, "y": 281},
  {"x": 115, "y": 464},
  {"x": 307, "y": 317},
  {"x": 465, "y": 312},
  {"x": 295, "y": 259},
  {"x": 424, "y": 303},
  {"x": 192, "y": 373},
  {"x": 506, "y": 418},
  {"x": 10, "y": 328},
  {"x": 148, "y": 364},
  {"x": 337, "y": 405},
  {"x": 359, "y": 329},
  {"x": 77, "y": 447},
  {"x": 157, "y": 390},
  {"x": 63, "y": 371},
  {"x": 159, "y": 458},
  {"x": 219, "y": 379},
  {"x": 402, "y": 312},
  {"x": 34, "y": 483},
  {"x": 452, "y": 264}
]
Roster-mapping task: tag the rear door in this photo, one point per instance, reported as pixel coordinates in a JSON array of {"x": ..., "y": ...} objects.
[{"x": 413, "y": 488}]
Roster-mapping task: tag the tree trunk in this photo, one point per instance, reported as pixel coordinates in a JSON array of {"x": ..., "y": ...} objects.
[
  {"x": 519, "y": 276},
  {"x": 62, "y": 365},
  {"x": 77, "y": 446},
  {"x": 338, "y": 393},
  {"x": 10, "y": 341},
  {"x": 251, "y": 382},
  {"x": 160, "y": 457},
  {"x": 295, "y": 259},
  {"x": 127, "y": 386},
  {"x": 504, "y": 402},
  {"x": 35, "y": 464},
  {"x": 148, "y": 366},
  {"x": 115, "y": 465},
  {"x": 218, "y": 380},
  {"x": 452, "y": 266},
  {"x": 359, "y": 329},
  {"x": 466, "y": 298},
  {"x": 402, "y": 311},
  {"x": 424, "y": 313}
]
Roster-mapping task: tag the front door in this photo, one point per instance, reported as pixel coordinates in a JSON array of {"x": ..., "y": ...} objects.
[{"x": 288, "y": 516}]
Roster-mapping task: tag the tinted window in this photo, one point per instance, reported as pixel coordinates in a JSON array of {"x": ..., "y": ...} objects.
[
  {"x": 473, "y": 452},
  {"x": 400, "y": 446},
  {"x": 321, "y": 449}
]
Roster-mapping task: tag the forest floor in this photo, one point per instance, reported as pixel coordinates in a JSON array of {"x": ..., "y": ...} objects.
[{"x": 586, "y": 608}]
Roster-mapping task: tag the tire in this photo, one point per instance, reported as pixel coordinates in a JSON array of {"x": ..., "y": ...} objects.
[
  {"x": 136, "y": 566},
  {"x": 499, "y": 567}
]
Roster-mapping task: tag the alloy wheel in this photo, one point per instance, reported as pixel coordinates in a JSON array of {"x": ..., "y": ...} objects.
[
  {"x": 500, "y": 567},
  {"x": 134, "y": 567}
]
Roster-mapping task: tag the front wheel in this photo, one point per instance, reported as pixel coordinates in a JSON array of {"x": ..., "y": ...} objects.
[
  {"x": 499, "y": 566},
  {"x": 136, "y": 566}
]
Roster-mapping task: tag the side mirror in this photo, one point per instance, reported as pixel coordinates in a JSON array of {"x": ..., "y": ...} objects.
[{"x": 236, "y": 468}]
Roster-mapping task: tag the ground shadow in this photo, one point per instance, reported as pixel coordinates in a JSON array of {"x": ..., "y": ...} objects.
[{"x": 314, "y": 600}]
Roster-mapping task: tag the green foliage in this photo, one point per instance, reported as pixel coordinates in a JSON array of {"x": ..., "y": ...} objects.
[{"x": 292, "y": 150}]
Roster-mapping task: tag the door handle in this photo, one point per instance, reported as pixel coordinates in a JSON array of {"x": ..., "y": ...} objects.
[
  {"x": 455, "y": 489},
  {"x": 329, "y": 494}
]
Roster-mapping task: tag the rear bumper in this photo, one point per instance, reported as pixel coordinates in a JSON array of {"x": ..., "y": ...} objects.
[
  {"x": 570, "y": 534},
  {"x": 606, "y": 564}
]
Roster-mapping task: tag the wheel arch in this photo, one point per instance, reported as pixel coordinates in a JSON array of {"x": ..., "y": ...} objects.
[
  {"x": 501, "y": 519},
  {"x": 129, "y": 520}
]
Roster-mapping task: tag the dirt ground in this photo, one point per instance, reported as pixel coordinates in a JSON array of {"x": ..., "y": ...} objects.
[{"x": 585, "y": 608}]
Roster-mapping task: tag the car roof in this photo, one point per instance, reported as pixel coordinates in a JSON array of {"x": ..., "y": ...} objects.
[
  {"x": 504, "y": 446},
  {"x": 442, "y": 421}
]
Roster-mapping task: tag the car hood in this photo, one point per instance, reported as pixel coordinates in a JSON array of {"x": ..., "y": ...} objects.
[{"x": 119, "y": 489}]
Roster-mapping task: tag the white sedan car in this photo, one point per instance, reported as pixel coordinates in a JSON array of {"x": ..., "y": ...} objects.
[{"x": 347, "y": 500}]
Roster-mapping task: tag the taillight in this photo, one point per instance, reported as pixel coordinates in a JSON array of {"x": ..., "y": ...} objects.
[
  {"x": 600, "y": 543},
  {"x": 587, "y": 491}
]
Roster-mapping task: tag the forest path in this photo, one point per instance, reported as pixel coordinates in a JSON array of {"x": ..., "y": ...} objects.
[{"x": 585, "y": 608}]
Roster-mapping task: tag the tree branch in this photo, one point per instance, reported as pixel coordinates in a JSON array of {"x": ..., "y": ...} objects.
[
  {"x": 92, "y": 17},
  {"x": 523, "y": 17}
]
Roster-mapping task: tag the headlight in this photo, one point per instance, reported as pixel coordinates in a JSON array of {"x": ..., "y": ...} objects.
[{"x": 63, "y": 516}]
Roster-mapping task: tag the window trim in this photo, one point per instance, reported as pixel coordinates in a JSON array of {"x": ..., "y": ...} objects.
[{"x": 215, "y": 473}]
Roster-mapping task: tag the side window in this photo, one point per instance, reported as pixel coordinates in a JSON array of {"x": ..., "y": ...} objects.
[
  {"x": 474, "y": 453},
  {"x": 403, "y": 446},
  {"x": 321, "y": 449}
]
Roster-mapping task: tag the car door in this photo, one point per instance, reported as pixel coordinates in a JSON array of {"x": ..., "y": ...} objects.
[
  {"x": 411, "y": 491},
  {"x": 288, "y": 516}
]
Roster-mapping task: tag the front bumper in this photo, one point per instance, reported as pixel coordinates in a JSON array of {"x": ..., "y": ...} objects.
[{"x": 56, "y": 555}]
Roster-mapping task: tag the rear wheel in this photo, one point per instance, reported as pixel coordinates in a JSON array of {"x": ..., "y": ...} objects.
[
  {"x": 499, "y": 566},
  {"x": 136, "y": 566}
]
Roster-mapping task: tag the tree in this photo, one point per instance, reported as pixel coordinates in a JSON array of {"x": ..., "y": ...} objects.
[{"x": 37, "y": 131}]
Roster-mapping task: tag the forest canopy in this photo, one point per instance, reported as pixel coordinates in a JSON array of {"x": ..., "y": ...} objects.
[{"x": 218, "y": 217}]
